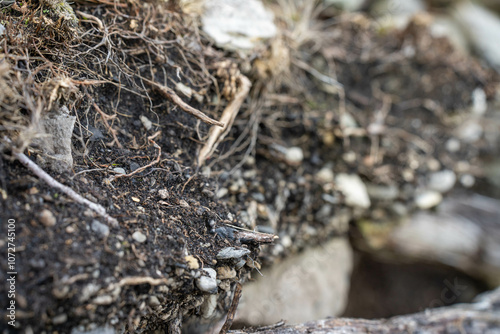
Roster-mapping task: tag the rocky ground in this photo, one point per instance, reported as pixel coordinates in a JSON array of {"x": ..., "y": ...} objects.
[{"x": 348, "y": 128}]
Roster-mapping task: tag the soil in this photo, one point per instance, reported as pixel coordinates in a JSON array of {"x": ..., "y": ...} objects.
[{"x": 175, "y": 216}]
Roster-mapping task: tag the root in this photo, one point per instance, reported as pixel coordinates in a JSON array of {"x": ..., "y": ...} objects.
[
  {"x": 99, "y": 209},
  {"x": 172, "y": 96},
  {"x": 217, "y": 134}
]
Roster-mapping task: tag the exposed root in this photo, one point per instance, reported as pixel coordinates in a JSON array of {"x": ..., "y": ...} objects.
[
  {"x": 105, "y": 119},
  {"x": 217, "y": 134},
  {"x": 99, "y": 209},
  {"x": 172, "y": 96},
  {"x": 138, "y": 170}
]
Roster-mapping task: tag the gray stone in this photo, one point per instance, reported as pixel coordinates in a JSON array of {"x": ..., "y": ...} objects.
[
  {"x": 98, "y": 330},
  {"x": 60, "y": 319},
  {"x": 208, "y": 307},
  {"x": 208, "y": 283},
  {"x": 442, "y": 181},
  {"x": 139, "y": 237},
  {"x": 101, "y": 229},
  {"x": 383, "y": 192},
  {"x": 232, "y": 253},
  {"x": 237, "y": 24},
  {"x": 57, "y": 128},
  {"x": 311, "y": 285},
  {"x": 482, "y": 28},
  {"x": 119, "y": 170}
]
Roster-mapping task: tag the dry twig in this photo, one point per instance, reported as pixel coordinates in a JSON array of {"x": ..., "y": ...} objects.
[
  {"x": 217, "y": 134},
  {"x": 172, "y": 96},
  {"x": 232, "y": 309}
]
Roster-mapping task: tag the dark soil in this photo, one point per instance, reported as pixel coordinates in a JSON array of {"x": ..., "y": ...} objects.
[{"x": 70, "y": 276}]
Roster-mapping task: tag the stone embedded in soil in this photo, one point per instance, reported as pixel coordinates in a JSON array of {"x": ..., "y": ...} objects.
[
  {"x": 442, "y": 181},
  {"x": 47, "y": 218},
  {"x": 325, "y": 175},
  {"x": 119, "y": 170},
  {"x": 192, "y": 262},
  {"x": 101, "y": 229},
  {"x": 163, "y": 193},
  {"x": 208, "y": 283},
  {"x": 311, "y": 285},
  {"x": 208, "y": 307},
  {"x": 354, "y": 190},
  {"x": 383, "y": 192},
  {"x": 146, "y": 122},
  {"x": 139, "y": 237},
  {"x": 232, "y": 253},
  {"x": 60, "y": 319},
  {"x": 56, "y": 145},
  {"x": 237, "y": 24},
  {"x": 428, "y": 199},
  {"x": 294, "y": 155},
  {"x": 225, "y": 272}
]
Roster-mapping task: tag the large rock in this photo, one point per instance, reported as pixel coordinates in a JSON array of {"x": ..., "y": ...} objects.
[{"x": 308, "y": 286}]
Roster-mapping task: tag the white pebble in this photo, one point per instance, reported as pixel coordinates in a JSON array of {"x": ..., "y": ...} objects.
[
  {"x": 467, "y": 180},
  {"x": 325, "y": 175},
  {"x": 294, "y": 155},
  {"x": 47, "y": 218},
  {"x": 442, "y": 181},
  {"x": 354, "y": 190},
  {"x": 139, "y": 237},
  {"x": 428, "y": 199},
  {"x": 208, "y": 283}
]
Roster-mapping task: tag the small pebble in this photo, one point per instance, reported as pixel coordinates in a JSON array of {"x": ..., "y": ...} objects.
[
  {"x": 119, "y": 170},
  {"x": 139, "y": 237},
  {"x": 452, "y": 145},
  {"x": 208, "y": 283},
  {"x": 428, "y": 199},
  {"x": 467, "y": 180},
  {"x": 47, "y": 218},
  {"x": 383, "y": 192},
  {"x": 192, "y": 262},
  {"x": 294, "y": 155},
  {"x": 163, "y": 193},
  {"x": 442, "y": 181},
  {"x": 60, "y": 319},
  {"x": 232, "y": 253},
  {"x": 101, "y": 229},
  {"x": 354, "y": 190},
  {"x": 325, "y": 175},
  {"x": 134, "y": 166},
  {"x": 222, "y": 192},
  {"x": 153, "y": 301},
  {"x": 146, "y": 122},
  {"x": 225, "y": 272}
]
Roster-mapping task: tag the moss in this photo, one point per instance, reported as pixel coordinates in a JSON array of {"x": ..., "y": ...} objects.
[{"x": 63, "y": 10}]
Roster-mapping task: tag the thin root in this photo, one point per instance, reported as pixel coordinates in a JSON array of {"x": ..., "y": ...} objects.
[
  {"x": 65, "y": 189},
  {"x": 217, "y": 134},
  {"x": 172, "y": 96}
]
